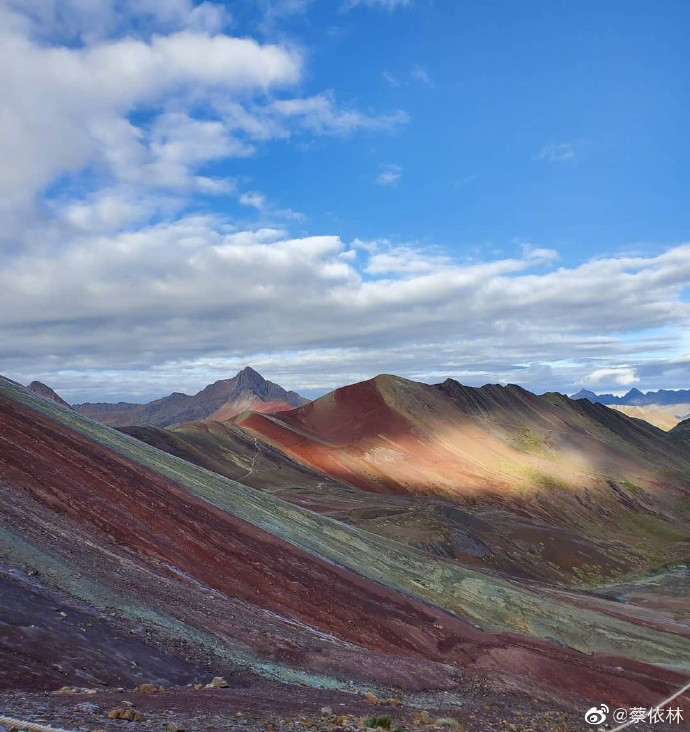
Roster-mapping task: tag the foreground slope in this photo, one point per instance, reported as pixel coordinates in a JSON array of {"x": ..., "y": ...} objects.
[
  {"x": 219, "y": 401},
  {"x": 212, "y": 573}
]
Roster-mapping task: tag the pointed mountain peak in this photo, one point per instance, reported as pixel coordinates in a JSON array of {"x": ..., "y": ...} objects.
[
  {"x": 584, "y": 394},
  {"x": 249, "y": 376}
]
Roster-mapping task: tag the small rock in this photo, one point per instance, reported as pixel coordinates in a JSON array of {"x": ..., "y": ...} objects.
[
  {"x": 425, "y": 717},
  {"x": 218, "y": 682},
  {"x": 371, "y": 697},
  {"x": 326, "y": 712},
  {"x": 131, "y": 715},
  {"x": 198, "y": 686},
  {"x": 146, "y": 688},
  {"x": 174, "y": 727},
  {"x": 86, "y": 708},
  {"x": 67, "y": 690}
]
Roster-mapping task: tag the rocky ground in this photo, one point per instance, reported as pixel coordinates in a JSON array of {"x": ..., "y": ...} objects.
[{"x": 282, "y": 708}]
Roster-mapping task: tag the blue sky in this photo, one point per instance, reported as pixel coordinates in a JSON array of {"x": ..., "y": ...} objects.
[{"x": 326, "y": 190}]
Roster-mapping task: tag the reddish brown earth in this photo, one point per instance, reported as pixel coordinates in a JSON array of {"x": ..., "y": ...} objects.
[
  {"x": 500, "y": 444},
  {"x": 156, "y": 554}
]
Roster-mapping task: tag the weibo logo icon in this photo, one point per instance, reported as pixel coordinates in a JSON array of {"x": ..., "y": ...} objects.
[{"x": 596, "y": 715}]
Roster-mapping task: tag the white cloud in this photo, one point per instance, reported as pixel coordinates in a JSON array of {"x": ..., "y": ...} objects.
[
  {"x": 320, "y": 114},
  {"x": 390, "y": 175},
  {"x": 618, "y": 375},
  {"x": 538, "y": 255},
  {"x": 253, "y": 198},
  {"x": 405, "y": 261},
  {"x": 276, "y": 10},
  {"x": 391, "y": 80},
  {"x": 419, "y": 73},
  {"x": 91, "y": 21},
  {"x": 147, "y": 110},
  {"x": 66, "y": 108},
  {"x": 563, "y": 152},
  {"x": 200, "y": 289}
]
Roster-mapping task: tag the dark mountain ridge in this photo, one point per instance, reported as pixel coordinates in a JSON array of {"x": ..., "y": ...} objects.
[{"x": 246, "y": 390}]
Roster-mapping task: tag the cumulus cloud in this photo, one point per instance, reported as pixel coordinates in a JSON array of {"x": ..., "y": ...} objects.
[
  {"x": 67, "y": 108},
  {"x": 146, "y": 105},
  {"x": 618, "y": 375}
]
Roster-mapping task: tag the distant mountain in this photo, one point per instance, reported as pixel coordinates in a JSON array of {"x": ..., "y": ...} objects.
[
  {"x": 636, "y": 398},
  {"x": 224, "y": 399},
  {"x": 38, "y": 387},
  {"x": 392, "y": 435}
]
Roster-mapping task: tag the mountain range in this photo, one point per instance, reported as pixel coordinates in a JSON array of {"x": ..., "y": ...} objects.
[
  {"x": 219, "y": 401},
  {"x": 635, "y": 398},
  {"x": 485, "y": 552}
]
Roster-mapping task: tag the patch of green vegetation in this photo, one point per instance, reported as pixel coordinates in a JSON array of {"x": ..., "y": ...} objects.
[
  {"x": 448, "y": 722},
  {"x": 529, "y": 441},
  {"x": 589, "y": 575},
  {"x": 653, "y": 527},
  {"x": 380, "y": 722},
  {"x": 632, "y": 487}
]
